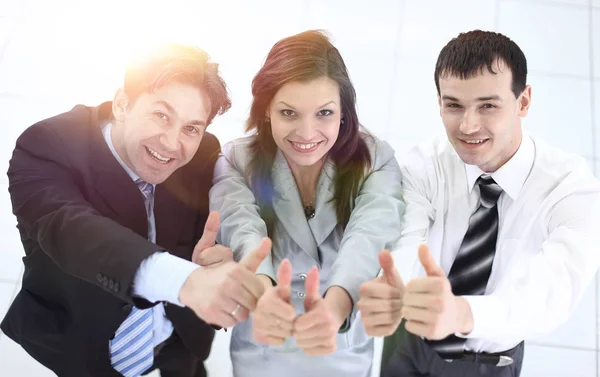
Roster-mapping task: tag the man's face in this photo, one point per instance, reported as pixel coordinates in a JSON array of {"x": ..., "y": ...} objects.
[
  {"x": 161, "y": 131},
  {"x": 482, "y": 117}
]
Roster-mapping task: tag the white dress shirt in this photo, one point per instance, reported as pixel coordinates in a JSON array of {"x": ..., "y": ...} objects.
[
  {"x": 173, "y": 271},
  {"x": 548, "y": 237}
]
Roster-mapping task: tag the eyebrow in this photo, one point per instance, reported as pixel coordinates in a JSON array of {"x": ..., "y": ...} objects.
[
  {"x": 171, "y": 109},
  {"x": 481, "y": 99},
  {"x": 290, "y": 106}
]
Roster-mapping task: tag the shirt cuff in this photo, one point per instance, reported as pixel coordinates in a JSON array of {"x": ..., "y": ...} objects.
[
  {"x": 488, "y": 314},
  {"x": 161, "y": 276}
]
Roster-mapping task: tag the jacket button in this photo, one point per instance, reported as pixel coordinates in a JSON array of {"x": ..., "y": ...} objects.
[
  {"x": 301, "y": 294},
  {"x": 303, "y": 276},
  {"x": 127, "y": 307},
  {"x": 117, "y": 287},
  {"x": 111, "y": 284},
  {"x": 105, "y": 281},
  {"x": 99, "y": 277}
]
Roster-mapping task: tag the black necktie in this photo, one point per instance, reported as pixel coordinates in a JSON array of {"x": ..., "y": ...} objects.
[{"x": 473, "y": 264}]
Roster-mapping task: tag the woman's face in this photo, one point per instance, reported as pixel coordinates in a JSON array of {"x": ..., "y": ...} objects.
[{"x": 305, "y": 119}]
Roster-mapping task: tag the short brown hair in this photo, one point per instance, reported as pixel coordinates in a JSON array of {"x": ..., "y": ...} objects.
[{"x": 180, "y": 63}]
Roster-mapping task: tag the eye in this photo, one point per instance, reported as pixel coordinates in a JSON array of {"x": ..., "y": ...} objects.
[
  {"x": 192, "y": 129},
  {"x": 288, "y": 113},
  {"x": 325, "y": 113},
  {"x": 160, "y": 115},
  {"x": 453, "y": 106},
  {"x": 488, "y": 106}
]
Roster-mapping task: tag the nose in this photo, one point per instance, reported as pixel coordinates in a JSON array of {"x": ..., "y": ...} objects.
[
  {"x": 306, "y": 130},
  {"x": 170, "y": 139},
  {"x": 470, "y": 123}
]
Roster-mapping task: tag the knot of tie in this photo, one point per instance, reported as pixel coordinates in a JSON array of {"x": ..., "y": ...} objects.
[
  {"x": 145, "y": 187},
  {"x": 490, "y": 191}
]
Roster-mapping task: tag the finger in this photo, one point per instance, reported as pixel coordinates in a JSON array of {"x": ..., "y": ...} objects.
[
  {"x": 428, "y": 285},
  {"x": 431, "y": 268},
  {"x": 314, "y": 341},
  {"x": 382, "y": 319},
  {"x": 209, "y": 236},
  {"x": 270, "y": 326},
  {"x": 309, "y": 320},
  {"x": 267, "y": 339},
  {"x": 382, "y": 330},
  {"x": 379, "y": 289},
  {"x": 284, "y": 280},
  {"x": 320, "y": 350},
  {"x": 252, "y": 261},
  {"x": 271, "y": 305},
  {"x": 374, "y": 305},
  {"x": 248, "y": 281},
  {"x": 237, "y": 293},
  {"x": 423, "y": 301},
  {"x": 418, "y": 328},
  {"x": 213, "y": 255},
  {"x": 311, "y": 288},
  {"x": 419, "y": 315},
  {"x": 390, "y": 272}
]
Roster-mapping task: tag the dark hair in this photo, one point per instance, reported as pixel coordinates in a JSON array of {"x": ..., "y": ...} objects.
[
  {"x": 305, "y": 57},
  {"x": 175, "y": 62},
  {"x": 468, "y": 54}
]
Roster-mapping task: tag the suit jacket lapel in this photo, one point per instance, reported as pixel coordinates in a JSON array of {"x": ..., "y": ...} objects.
[
  {"x": 112, "y": 182},
  {"x": 325, "y": 219},
  {"x": 288, "y": 207},
  {"x": 170, "y": 211}
]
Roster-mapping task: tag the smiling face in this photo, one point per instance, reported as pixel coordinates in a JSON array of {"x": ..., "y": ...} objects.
[
  {"x": 305, "y": 119},
  {"x": 482, "y": 116},
  {"x": 161, "y": 131}
]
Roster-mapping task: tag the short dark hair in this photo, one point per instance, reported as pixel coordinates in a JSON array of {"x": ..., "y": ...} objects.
[
  {"x": 173, "y": 62},
  {"x": 468, "y": 54}
]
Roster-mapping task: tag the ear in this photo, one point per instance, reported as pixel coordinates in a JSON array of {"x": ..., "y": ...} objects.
[
  {"x": 119, "y": 105},
  {"x": 524, "y": 101}
]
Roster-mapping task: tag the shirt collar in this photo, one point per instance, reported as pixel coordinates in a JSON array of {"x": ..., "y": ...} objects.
[
  {"x": 512, "y": 175},
  {"x": 106, "y": 132}
]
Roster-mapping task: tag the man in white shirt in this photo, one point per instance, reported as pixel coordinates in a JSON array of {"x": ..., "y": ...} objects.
[{"x": 511, "y": 227}]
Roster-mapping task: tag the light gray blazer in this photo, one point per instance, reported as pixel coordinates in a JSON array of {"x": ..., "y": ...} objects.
[{"x": 346, "y": 258}]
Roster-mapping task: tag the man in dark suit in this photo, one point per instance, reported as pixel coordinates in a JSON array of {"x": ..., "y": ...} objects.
[{"x": 111, "y": 203}]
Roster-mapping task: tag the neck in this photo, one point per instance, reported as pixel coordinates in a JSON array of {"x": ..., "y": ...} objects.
[{"x": 306, "y": 178}]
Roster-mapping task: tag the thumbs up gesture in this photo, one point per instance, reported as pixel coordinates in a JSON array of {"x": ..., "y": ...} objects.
[
  {"x": 430, "y": 308},
  {"x": 381, "y": 299},
  {"x": 316, "y": 330},
  {"x": 225, "y": 293},
  {"x": 273, "y": 318},
  {"x": 207, "y": 253}
]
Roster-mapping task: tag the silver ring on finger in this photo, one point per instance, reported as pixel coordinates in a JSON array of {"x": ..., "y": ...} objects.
[{"x": 236, "y": 310}]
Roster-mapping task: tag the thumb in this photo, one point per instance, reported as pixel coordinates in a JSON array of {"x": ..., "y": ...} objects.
[
  {"x": 209, "y": 236},
  {"x": 252, "y": 261},
  {"x": 311, "y": 286},
  {"x": 390, "y": 272},
  {"x": 431, "y": 268},
  {"x": 284, "y": 280}
]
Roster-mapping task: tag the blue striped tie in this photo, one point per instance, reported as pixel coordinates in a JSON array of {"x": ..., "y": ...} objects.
[{"x": 132, "y": 348}]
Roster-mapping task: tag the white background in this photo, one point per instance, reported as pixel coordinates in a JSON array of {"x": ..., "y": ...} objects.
[{"x": 55, "y": 54}]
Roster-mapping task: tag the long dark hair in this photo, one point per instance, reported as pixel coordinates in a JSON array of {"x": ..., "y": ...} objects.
[{"x": 305, "y": 57}]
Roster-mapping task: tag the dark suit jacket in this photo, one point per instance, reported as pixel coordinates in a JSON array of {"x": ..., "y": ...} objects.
[{"x": 83, "y": 225}]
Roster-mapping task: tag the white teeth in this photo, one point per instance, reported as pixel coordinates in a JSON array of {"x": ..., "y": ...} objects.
[
  {"x": 158, "y": 156},
  {"x": 474, "y": 141},
  {"x": 305, "y": 146}
]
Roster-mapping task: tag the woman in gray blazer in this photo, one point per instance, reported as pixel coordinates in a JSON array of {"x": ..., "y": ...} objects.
[{"x": 327, "y": 193}]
